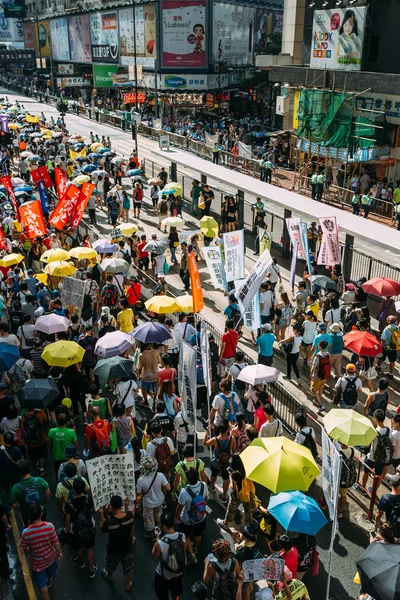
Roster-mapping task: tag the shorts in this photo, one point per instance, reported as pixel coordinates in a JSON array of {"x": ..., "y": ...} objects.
[
  {"x": 317, "y": 385},
  {"x": 163, "y": 587},
  {"x": 148, "y": 386},
  {"x": 215, "y": 471},
  {"x": 377, "y": 468},
  {"x": 343, "y": 492},
  {"x": 391, "y": 355},
  {"x": 305, "y": 345},
  {"x": 40, "y": 577},
  {"x": 137, "y": 205},
  {"x": 197, "y": 529},
  {"x": 113, "y": 560},
  {"x": 36, "y": 452},
  {"x": 76, "y": 544},
  {"x": 121, "y": 442}
]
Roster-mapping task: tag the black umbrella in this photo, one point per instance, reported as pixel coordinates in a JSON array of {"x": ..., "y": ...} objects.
[
  {"x": 113, "y": 368},
  {"x": 38, "y": 393},
  {"x": 379, "y": 570}
]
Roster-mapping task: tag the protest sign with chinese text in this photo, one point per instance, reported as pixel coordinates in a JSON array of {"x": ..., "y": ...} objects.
[
  {"x": 64, "y": 210},
  {"x": 187, "y": 381},
  {"x": 86, "y": 192},
  {"x": 73, "y": 292},
  {"x": 253, "y": 281},
  {"x": 32, "y": 219},
  {"x": 329, "y": 253},
  {"x": 44, "y": 198},
  {"x": 6, "y": 181},
  {"x": 111, "y": 475},
  {"x": 234, "y": 255},
  {"x": 61, "y": 183},
  {"x": 213, "y": 257},
  {"x": 263, "y": 568}
]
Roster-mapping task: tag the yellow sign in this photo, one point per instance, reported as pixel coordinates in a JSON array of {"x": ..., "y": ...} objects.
[
  {"x": 265, "y": 240},
  {"x": 295, "y": 109},
  {"x": 297, "y": 589},
  {"x": 31, "y": 119},
  {"x": 74, "y": 155}
]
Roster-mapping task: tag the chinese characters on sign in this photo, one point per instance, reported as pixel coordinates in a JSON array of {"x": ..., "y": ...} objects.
[
  {"x": 234, "y": 255},
  {"x": 32, "y": 219},
  {"x": 73, "y": 292},
  {"x": 329, "y": 253},
  {"x": 331, "y": 463},
  {"x": 187, "y": 380},
  {"x": 250, "y": 286},
  {"x": 263, "y": 568},
  {"x": 109, "y": 476},
  {"x": 215, "y": 265}
]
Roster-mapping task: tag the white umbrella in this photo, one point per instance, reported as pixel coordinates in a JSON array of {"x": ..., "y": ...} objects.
[
  {"x": 255, "y": 374},
  {"x": 114, "y": 265},
  {"x": 51, "y": 324}
]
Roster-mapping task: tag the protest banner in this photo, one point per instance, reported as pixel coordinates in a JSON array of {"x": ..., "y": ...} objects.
[
  {"x": 44, "y": 198},
  {"x": 234, "y": 255},
  {"x": 86, "y": 192},
  {"x": 111, "y": 475},
  {"x": 73, "y": 155},
  {"x": 31, "y": 118},
  {"x": 331, "y": 463},
  {"x": 187, "y": 381},
  {"x": 205, "y": 355},
  {"x": 64, "y": 210},
  {"x": 305, "y": 244},
  {"x": 6, "y": 181},
  {"x": 297, "y": 589},
  {"x": 293, "y": 265},
  {"x": 213, "y": 257},
  {"x": 73, "y": 291},
  {"x": 32, "y": 219},
  {"x": 254, "y": 279},
  {"x": 263, "y": 568},
  {"x": 61, "y": 183},
  {"x": 293, "y": 227},
  {"x": 197, "y": 290},
  {"x": 252, "y": 315},
  {"x": 329, "y": 253},
  {"x": 45, "y": 177}
]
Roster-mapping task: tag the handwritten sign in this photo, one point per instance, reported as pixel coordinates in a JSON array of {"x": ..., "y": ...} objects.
[
  {"x": 111, "y": 475},
  {"x": 263, "y": 568},
  {"x": 73, "y": 291}
]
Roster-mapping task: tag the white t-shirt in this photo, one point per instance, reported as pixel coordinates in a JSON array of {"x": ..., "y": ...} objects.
[
  {"x": 155, "y": 496},
  {"x": 219, "y": 405},
  {"x": 235, "y": 369},
  {"x": 343, "y": 383},
  {"x": 26, "y": 332},
  {"x": 274, "y": 273},
  {"x": 185, "y": 500},
  {"x": 266, "y": 301},
  {"x": 296, "y": 344},
  {"x": 151, "y": 446},
  {"x": 118, "y": 281},
  {"x": 252, "y": 400},
  {"x": 310, "y": 330},
  {"x": 182, "y": 432},
  {"x": 333, "y": 316},
  {"x": 395, "y": 439},
  {"x": 164, "y": 547},
  {"x": 274, "y": 429},
  {"x": 10, "y": 339},
  {"x": 121, "y": 393},
  {"x": 143, "y": 453}
]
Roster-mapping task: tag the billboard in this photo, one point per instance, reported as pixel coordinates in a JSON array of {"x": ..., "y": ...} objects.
[
  {"x": 11, "y": 30},
  {"x": 103, "y": 75},
  {"x": 30, "y": 35},
  {"x": 145, "y": 35},
  {"x": 337, "y": 39},
  {"x": 233, "y": 34},
  {"x": 43, "y": 34},
  {"x": 184, "y": 35},
  {"x": 79, "y": 34},
  {"x": 14, "y": 9},
  {"x": 104, "y": 37},
  {"x": 268, "y": 31},
  {"x": 59, "y": 39}
]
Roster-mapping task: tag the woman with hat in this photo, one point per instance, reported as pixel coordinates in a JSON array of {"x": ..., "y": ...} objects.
[{"x": 151, "y": 489}]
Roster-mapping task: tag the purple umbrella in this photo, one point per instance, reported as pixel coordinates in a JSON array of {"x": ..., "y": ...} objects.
[
  {"x": 152, "y": 333},
  {"x": 113, "y": 344},
  {"x": 104, "y": 247}
]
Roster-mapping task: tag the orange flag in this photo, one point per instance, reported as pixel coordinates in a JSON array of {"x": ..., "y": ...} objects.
[
  {"x": 64, "y": 210},
  {"x": 61, "y": 182},
  {"x": 197, "y": 291}
]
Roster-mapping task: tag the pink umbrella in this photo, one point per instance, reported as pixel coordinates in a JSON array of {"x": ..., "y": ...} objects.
[
  {"x": 113, "y": 344},
  {"x": 51, "y": 324}
]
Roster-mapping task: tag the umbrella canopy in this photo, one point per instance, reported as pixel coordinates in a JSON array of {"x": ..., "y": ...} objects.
[
  {"x": 11, "y": 259},
  {"x": 63, "y": 354},
  {"x": 209, "y": 226},
  {"x": 15, "y": 181},
  {"x": 349, "y": 427},
  {"x": 88, "y": 168},
  {"x": 24, "y": 188},
  {"x": 133, "y": 172},
  {"x": 81, "y": 179},
  {"x": 114, "y": 265},
  {"x": 255, "y": 374},
  {"x": 157, "y": 246},
  {"x": 82, "y": 253},
  {"x": 60, "y": 268},
  {"x": 323, "y": 281},
  {"x": 99, "y": 172},
  {"x": 127, "y": 228},
  {"x": 177, "y": 222},
  {"x": 174, "y": 188},
  {"x": 362, "y": 343},
  {"x": 382, "y": 286},
  {"x": 161, "y": 305},
  {"x": 9, "y": 354},
  {"x": 297, "y": 512},
  {"x": 152, "y": 333},
  {"x": 96, "y": 146},
  {"x": 113, "y": 344},
  {"x": 118, "y": 160},
  {"x": 25, "y": 154},
  {"x": 33, "y": 158},
  {"x": 115, "y": 367},
  {"x": 154, "y": 181},
  {"x": 185, "y": 303},
  {"x": 38, "y": 393},
  {"x": 51, "y": 324},
  {"x": 379, "y": 570},
  {"x": 279, "y": 464},
  {"x": 55, "y": 254},
  {"x": 104, "y": 247}
]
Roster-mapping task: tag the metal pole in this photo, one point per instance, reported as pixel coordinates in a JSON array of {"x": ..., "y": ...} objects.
[
  {"x": 38, "y": 42},
  {"x": 135, "y": 57}
]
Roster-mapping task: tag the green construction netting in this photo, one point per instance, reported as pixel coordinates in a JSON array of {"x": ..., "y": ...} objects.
[{"x": 325, "y": 117}]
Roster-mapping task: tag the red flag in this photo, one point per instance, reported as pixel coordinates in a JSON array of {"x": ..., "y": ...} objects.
[
  {"x": 86, "y": 192},
  {"x": 35, "y": 174},
  {"x": 6, "y": 181},
  {"x": 32, "y": 219},
  {"x": 45, "y": 177},
  {"x": 61, "y": 183},
  {"x": 64, "y": 210}
]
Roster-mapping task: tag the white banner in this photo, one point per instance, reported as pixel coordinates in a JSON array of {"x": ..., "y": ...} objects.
[
  {"x": 109, "y": 476},
  {"x": 157, "y": 123},
  {"x": 205, "y": 355},
  {"x": 184, "y": 236},
  {"x": 211, "y": 139},
  {"x": 253, "y": 281},
  {"x": 187, "y": 381},
  {"x": 244, "y": 151},
  {"x": 252, "y": 315},
  {"x": 213, "y": 257},
  {"x": 329, "y": 253},
  {"x": 331, "y": 462},
  {"x": 234, "y": 255},
  {"x": 73, "y": 291},
  {"x": 293, "y": 227}
]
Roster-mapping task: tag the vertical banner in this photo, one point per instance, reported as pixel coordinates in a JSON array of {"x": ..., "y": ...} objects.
[
  {"x": 293, "y": 265},
  {"x": 32, "y": 219},
  {"x": 265, "y": 240},
  {"x": 61, "y": 183},
  {"x": 187, "y": 381},
  {"x": 44, "y": 174},
  {"x": 251, "y": 284},
  {"x": 234, "y": 255},
  {"x": 111, "y": 475},
  {"x": 86, "y": 192},
  {"x": 293, "y": 227},
  {"x": 331, "y": 463},
  {"x": 215, "y": 265},
  {"x": 197, "y": 290},
  {"x": 304, "y": 242},
  {"x": 64, "y": 210},
  {"x": 251, "y": 316},
  {"x": 4, "y": 123},
  {"x": 329, "y": 253},
  {"x": 44, "y": 198},
  {"x": 205, "y": 355},
  {"x": 6, "y": 181}
]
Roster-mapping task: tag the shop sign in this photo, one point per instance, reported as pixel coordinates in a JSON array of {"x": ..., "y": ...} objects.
[
  {"x": 103, "y": 75},
  {"x": 131, "y": 98},
  {"x": 63, "y": 82}
]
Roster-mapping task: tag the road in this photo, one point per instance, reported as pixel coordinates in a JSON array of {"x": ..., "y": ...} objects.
[{"x": 350, "y": 541}]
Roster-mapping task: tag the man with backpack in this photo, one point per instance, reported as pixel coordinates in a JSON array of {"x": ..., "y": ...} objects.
[
  {"x": 109, "y": 294},
  {"x": 232, "y": 311},
  {"x": 181, "y": 469},
  {"x": 306, "y": 435},
  {"x": 29, "y": 492},
  {"x": 34, "y": 436},
  {"x": 223, "y": 447},
  {"x": 348, "y": 387},
  {"x": 80, "y": 525},
  {"x": 348, "y": 475},
  {"x": 390, "y": 340},
  {"x": 225, "y": 405},
  {"x": 390, "y": 505},
  {"x": 65, "y": 489},
  {"x": 88, "y": 343},
  {"x": 191, "y": 511},
  {"x": 98, "y": 435},
  {"x": 239, "y": 364},
  {"x": 320, "y": 372},
  {"x": 152, "y": 487},
  {"x": 161, "y": 449},
  {"x": 223, "y": 570}
]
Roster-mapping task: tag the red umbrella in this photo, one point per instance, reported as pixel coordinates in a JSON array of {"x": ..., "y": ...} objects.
[
  {"x": 362, "y": 343},
  {"x": 382, "y": 286}
]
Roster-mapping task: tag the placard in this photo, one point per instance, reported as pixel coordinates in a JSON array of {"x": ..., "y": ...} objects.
[
  {"x": 263, "y": 568},
  {"x": 187, "y": 381},
  {"x": 255, "y": 278},
  {"x": 213, "y": 257},
  {"x": 234, "y": 255},
  {"x": 111, "y": 475},
  {"x": 73, "y": 291}
]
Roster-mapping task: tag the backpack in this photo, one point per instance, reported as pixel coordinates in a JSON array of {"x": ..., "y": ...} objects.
[
  {"x": 33, "y": 430},
  {"x": 31, "y": 494},
  {"x": 223, "y": 457},
  {"x": 110, "y": 297},
  {"x": 199, "y": 372},
  {"x": 83, "y": 526},
  {"x": 395, "y": 340},
  {"x": 231, "y": 407},
  {"x": 102, "y": 441},
  {"x": 242, "y": 441},
  {"x": 236, "y": 316},
  {"x": 324, "y": 366},
  {"x": 89, "y": 357},
  {"x": 309, "y": 442},
  {"x": 68, "y": 486},
  {"x": 239, "y": 385},
  {"x": 27, "y": 245},
  {"x": 197, "y": 511},
  {"x": 163, "y": 456},
  {"x": 18, "y": 379},
  {"x": 176, "y": 558},
  {"x": 225, "y": 584},
  {"x": 127, "y": 256},
  {"x": 383, "y": 451},
  {"x": 393, "y": 514},
  {"x": 348, "y": 474},
  {"x": 350, "y": 394}
]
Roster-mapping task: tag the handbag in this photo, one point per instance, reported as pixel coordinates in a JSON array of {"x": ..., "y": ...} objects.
[
  {"x": 369, "y": 374},
  {"x": 201, "y": 203},
  {"x": 287, "y": 347}
]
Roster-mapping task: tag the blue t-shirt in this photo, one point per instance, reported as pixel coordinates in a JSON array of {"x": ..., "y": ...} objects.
[
  {"x": 231, "y": 310},
  {"x": 337, "y": 343},
  {"x": 265, "y": 344},
  {"x": 318, "y": 338}
]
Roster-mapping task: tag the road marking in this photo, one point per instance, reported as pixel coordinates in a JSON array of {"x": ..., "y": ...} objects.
[{"x": 26, "y": 573}]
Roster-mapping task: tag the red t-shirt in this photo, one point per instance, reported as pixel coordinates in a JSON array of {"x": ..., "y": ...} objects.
[
  {"x": 291, "y": 559},
  {"x": 230, "y": 338},
  {"x": 140, "y": 250},
  {"x": 138, "y": 197},
  {"x": 261, "y": 416},
  {"x": 133, "y": 293},
  {"x": 166, "y": 374}
]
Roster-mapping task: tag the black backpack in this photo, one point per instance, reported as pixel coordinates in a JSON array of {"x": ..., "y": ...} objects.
[
  {"x": 350, "y": 394},
  {"x": 393, "y": 513},
  {"x": 240, "y": 386},
  {"x": 309, "y": 442},
  {"x": 348, "y": 474},
  {"x": 33, "y": 430},
  {"x": 225, "y": 584},
  {"x": 83, "y": 526},
  {"x": 127, "y": 256},
  {"x": 176, "y": 558},
  {"x": 236, "y": 316}
]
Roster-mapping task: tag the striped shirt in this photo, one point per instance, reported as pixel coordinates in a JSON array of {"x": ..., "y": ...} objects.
[{"x": 40, "y": 541}]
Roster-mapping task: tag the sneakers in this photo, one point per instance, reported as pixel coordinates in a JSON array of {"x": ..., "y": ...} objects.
[
  {"x": 287, "y": 378},
  {"x": 223, "y": 499},
  {"x": 50, "y": 581},
  {"x": 211, "y": 487},
  {"x": 92, "y": 572},
  {"x": 192, "y": 559},
  {"x": 321, "y": 409},
  {"x": 76, "y": 562}
]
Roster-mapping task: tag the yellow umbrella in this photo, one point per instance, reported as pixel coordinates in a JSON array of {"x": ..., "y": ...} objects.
[
  {"x": 128, "y": 228},
  {"x": 46, "y": 132},
  {"x": 63, "y": 354},
  {"x": 173, "y": 185},
  {"x": 209, "y": 227},
  {"x": 349, "y": 427},
  {"x": 173, "y": 222},
  {"x": 60, "y": 268},
  {"x": 11, "y": 259},
  {"x": 96, "y": 146},
  {"x": 161, "y": 305},
  {"x": 82, "y": 252},
  {"x": 81, "y": 179},
  {"x": 42, "y": 277},
  {"x": 17, "y": 226},
  {"x": 185, "y": 303},
  {"x": 279, "y": 464},
  {"x": 54, "y": 254},
  {"x": 14, "y": 126}
]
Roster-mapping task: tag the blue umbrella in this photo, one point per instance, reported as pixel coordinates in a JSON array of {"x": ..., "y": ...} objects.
[
  {"x": 297, "y": 512},
  {"x": 166, "y": 192},
  {"x": 103, "y": 150},
  {"x": 104, "y": 247},
  {"x": 109, "y": 153},
  {"x": 79, "y": 146},
  {"x": 88, "y": 168},
  {"x": 152, "y": 333},
  {"x": 9, "y": 355},
  {"x": 27, "y": 189},
  {"x": 133, "y": 172},
  {"x": 94, "y": 155},
  {"x": 33, "y": 158}
]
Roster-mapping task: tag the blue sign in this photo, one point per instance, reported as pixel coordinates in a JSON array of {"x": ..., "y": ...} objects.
[
  {"x": 44, "y": 199},
  {"x": 175, "y": 82}
]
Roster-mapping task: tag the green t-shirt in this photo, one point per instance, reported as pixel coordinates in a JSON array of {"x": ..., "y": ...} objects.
[
  {"x": 102, "y": 405},
  {"x": 396, "y": 195},
  {"x": 60, "y": 438},
  {"x": 181, "y": 471},
  {"x": 18, "y": 495}
]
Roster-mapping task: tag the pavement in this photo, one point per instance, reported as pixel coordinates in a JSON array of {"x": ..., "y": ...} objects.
[{"x": 352, "y": 537}]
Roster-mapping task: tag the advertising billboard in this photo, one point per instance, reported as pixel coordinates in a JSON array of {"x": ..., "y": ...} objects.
[
  {"x": 59, "y": 39},
  {"x": 11, "y": 30},
  {"x": 29, "y": 35},
  {"x": 103, "y": 75},
  {"x": 43, "y": 35},
  {"x": 184, "y": 35},
  {"x": 145, "y": 35},
  {"x": 337, "y": 39},
  {"x": 268, "y": 31},
  {"x": 233, "y": 34},
  {"x": 104, "y": 37},
  {"x": 14, "y": 9},
  {"x": 79, "y": 34}
]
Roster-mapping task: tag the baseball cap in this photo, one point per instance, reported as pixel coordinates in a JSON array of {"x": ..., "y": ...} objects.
[
  {"x": 321, "y": 327},
  {"x": 266, "y": 326},
  {"x": 351, "y": 368}
]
